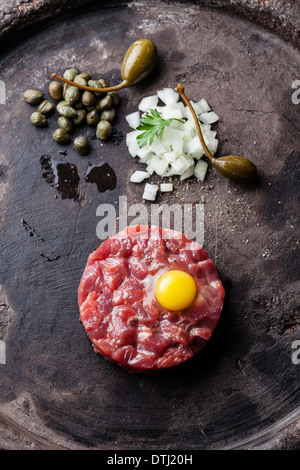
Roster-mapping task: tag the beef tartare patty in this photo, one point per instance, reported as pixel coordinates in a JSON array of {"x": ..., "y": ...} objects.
[{"x": 119, "y": 309}]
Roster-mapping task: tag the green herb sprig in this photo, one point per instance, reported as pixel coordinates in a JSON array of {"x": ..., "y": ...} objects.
[{"x": 152, "y": 124}]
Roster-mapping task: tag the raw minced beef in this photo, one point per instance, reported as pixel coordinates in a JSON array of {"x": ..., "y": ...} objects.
[{"x": 118, "y": 307}]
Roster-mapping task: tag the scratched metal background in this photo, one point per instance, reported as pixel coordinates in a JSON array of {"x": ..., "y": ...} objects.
[{"x": 243, "y": 390}]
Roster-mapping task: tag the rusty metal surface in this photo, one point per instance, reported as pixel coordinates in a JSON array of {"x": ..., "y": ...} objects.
[
  {"x": 277, "y": 15},
  {"x": 242, "y": 391}
]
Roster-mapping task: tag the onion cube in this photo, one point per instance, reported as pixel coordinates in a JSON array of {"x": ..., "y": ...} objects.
[
  {"x": 139, "y": 176},
  {"x": 201, "y": 169},
  {"x": 159, "y": 165},
  {"x": 174, "y": 137},
  {"x": 212, "y": 145},
  {"x": 194, "y": 145},
  {"x": 169, "y": 112},
  {"x": 148, "y": 102},
  {"x": 133, "y": 119},
  {"x": 188, "y": 173},
  {"x": 208, "y": 118},
  {"x": 169, "y": 157},
  {"x": 150, "y": 192},
  {"x": 180, "y": 165},
  {"x": 189, "y": 129},
  {"x": 203, "y": 106},
  {"x": 156, "y": 146},
  {"x": 166, "y": 187},
  {"x": 168, "y": 96}
]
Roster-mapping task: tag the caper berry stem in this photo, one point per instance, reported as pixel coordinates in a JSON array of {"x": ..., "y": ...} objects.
[
  {"x": 234, "y": 167},
  {"x": 180, "y": 90},
  {"x": 123, "y": 84}
]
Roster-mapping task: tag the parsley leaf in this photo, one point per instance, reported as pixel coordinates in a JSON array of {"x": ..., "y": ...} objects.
[{"x": 152, "y": 124}]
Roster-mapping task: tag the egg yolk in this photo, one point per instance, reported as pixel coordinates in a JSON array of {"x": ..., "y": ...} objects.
[{"x": 175, "y": 290}]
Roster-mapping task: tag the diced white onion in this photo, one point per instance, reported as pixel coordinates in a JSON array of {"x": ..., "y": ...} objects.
[
  {"x": 150, "y": 192},
  {"x": 168, "y": 96},
  {"x": 166, "y": 187},
  {"x": 208, "y": 118},
  {"x": 139, "y": 176},
  {"x": 204, "y": 106},
  {"x": 180, "y": 165},
  {"x": 133, "y": 119},
  {"x": 158, "y": 165},
  {"x": 178, "y": 152},
  {"x": 188, "y": 173},
  {"x": 148, "y": 102},
  {"x": 201, "y": 169}
]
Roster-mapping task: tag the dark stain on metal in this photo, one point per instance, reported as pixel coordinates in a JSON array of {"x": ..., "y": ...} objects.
[
  {"x": 32, "y": 232},
  {"x": 61, "y": 175},
  {"x": 102, "y": 175}
]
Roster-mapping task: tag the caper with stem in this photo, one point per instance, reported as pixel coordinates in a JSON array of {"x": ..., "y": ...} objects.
[
  {"x": 236, "y": 168},
  {"x": 139, "y": 61}
]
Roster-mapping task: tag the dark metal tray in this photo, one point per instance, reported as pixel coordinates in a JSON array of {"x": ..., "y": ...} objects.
[{"x": 243, "y": 390}]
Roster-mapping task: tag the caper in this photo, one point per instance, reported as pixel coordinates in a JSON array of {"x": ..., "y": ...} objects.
[
  {"x": 67, "y": 111},
  {"x": 104, "y": 103},
  {"x": 236, "y": 168},
  {"x": 70, "y": 74},
  {"x": 139, "y": 61},
  {"x": 80, "y": 117},
  {"x": 33, "y": 96},
  {"x": 81, "y": 145},
  {"x": 38, "y": 119},
  {"x": 61, "y": 136},
  {"x": 72, "y": 95},
  {"x": 108, "y": 114},
  {"x": 115, "y": 97},
  {"x": 92, "y": 118},
  {"x": 61, "y": 103},
  {"x": 46, "y": 107},
  {"x": 85, "y": 75},
  {"x": 65, "y": 89},
  {"x": 95, "y": 84},
  {"x": 88, "y": 98},
  {"x": 102, "y": 83},
  {"x": 65, "y": 123},
  {"x": 104, "y": 130},
  {"x": 55, "y": 90},
  {"x": 80, "y": 80}
]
